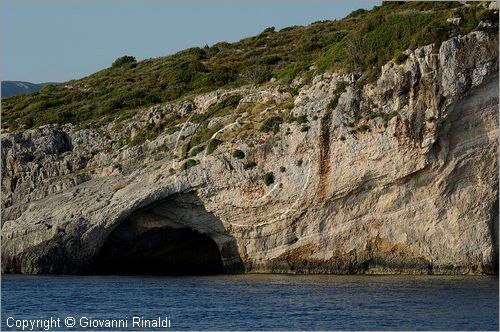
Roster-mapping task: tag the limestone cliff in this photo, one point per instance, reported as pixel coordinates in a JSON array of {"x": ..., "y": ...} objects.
[{"x": 396, "y": 176}]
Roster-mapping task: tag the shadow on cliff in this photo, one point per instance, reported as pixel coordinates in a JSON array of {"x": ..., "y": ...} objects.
[
  {"x": 494, "y": 238},
  {"x": 173, "y": 236},
  {"x": 466, "y": 133}
]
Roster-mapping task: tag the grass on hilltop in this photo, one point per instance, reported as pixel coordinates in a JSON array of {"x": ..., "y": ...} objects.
[{"x": 361, "y": 42}]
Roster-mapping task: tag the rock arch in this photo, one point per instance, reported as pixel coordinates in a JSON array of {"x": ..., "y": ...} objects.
[{"x": 175, "y": 235}]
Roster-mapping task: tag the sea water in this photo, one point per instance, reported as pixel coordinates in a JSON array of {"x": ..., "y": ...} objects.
[{"x": 250, "y": 302}]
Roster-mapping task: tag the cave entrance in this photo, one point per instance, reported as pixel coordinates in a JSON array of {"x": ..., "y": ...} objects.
[
  {"x": 162, "y": 251},
  {"x": 173, "y": 236}
]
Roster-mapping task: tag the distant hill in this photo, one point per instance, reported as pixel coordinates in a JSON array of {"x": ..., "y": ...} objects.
[{"x": 12, "y": 88}]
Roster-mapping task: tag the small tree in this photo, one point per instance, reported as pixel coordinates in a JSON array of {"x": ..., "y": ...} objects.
[{"x": 123, "y": 60}]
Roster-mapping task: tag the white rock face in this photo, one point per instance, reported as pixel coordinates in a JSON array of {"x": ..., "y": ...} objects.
[{"x": 401, "y": 176}]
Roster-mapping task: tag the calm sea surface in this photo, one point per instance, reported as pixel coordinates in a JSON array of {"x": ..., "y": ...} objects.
[{"x": 254, "y": 302}]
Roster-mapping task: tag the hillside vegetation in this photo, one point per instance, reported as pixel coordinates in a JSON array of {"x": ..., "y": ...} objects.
[{"x": 361, "y": 43}]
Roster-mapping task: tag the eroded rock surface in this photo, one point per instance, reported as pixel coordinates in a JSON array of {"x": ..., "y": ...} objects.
[{"x": 398, "y": 176}]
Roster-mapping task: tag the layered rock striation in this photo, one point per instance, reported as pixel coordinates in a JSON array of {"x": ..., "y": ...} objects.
[{"x": 395, "y": 176}]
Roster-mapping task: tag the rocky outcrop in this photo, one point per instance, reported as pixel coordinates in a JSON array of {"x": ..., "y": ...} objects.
[{"x": 396, "y": 176}]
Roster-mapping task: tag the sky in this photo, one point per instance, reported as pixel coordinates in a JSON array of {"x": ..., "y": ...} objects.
[{"x": 59, "y": 40}]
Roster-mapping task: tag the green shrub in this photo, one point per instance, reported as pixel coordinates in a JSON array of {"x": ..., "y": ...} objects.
[
  {"x": 203, "y": 134},
  {"x": 238, "y": 154},
  {"x": 271, "y": 124},
  {"x": 268, "y": 178},
  {"x": 262, "y": 75},
  {"x": 228, "y": 103},
  {"x": 185, "y": 150},
  {"x": 113, "y": 104},
  {"x": 231, "y": 101},
  {"x": 188, "y": 164},
  {"x": 194, "y": 151},
  {"x": 137, "y": 140},
  {"x": 212, "y": 145},
  {"x": 222, "y": 75},
  {"x": 282, "y": 169},
  {"x": 268, "y": 30},
  {"x": 301, "y": 119},
  {"x": 356, "y": 13},
  {"x": 304, "y": 128},
  {"x": 249, "y": 165},
  {"x": 270, "y": 60},
  {"x": 299, "y": 162},
  {"x": 123, "y": 60}
]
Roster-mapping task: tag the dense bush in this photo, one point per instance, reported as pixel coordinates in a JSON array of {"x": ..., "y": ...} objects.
[
  {"x": 222, "y": 75},
  {"x": 268, "y": 178},
  {"x": 271, "y": 124},
  {"x": 261, "y": 75},
  {"x": 188, "y": 164},
  {"x": 238, "y": 154},
  {"x": 212, "y": 145},
  {"x": 123, "y": 60},
  {"x": 194, "y": 151},
  {"x": 301, "y": 119},
  {"x": 185, "y": 150}
]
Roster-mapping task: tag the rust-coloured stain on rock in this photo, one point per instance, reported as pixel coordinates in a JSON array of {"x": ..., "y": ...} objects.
[{"x": 324, "y": 162}]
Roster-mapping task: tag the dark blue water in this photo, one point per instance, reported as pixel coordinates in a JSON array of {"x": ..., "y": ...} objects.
[{"x": 253, "y": 302}]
